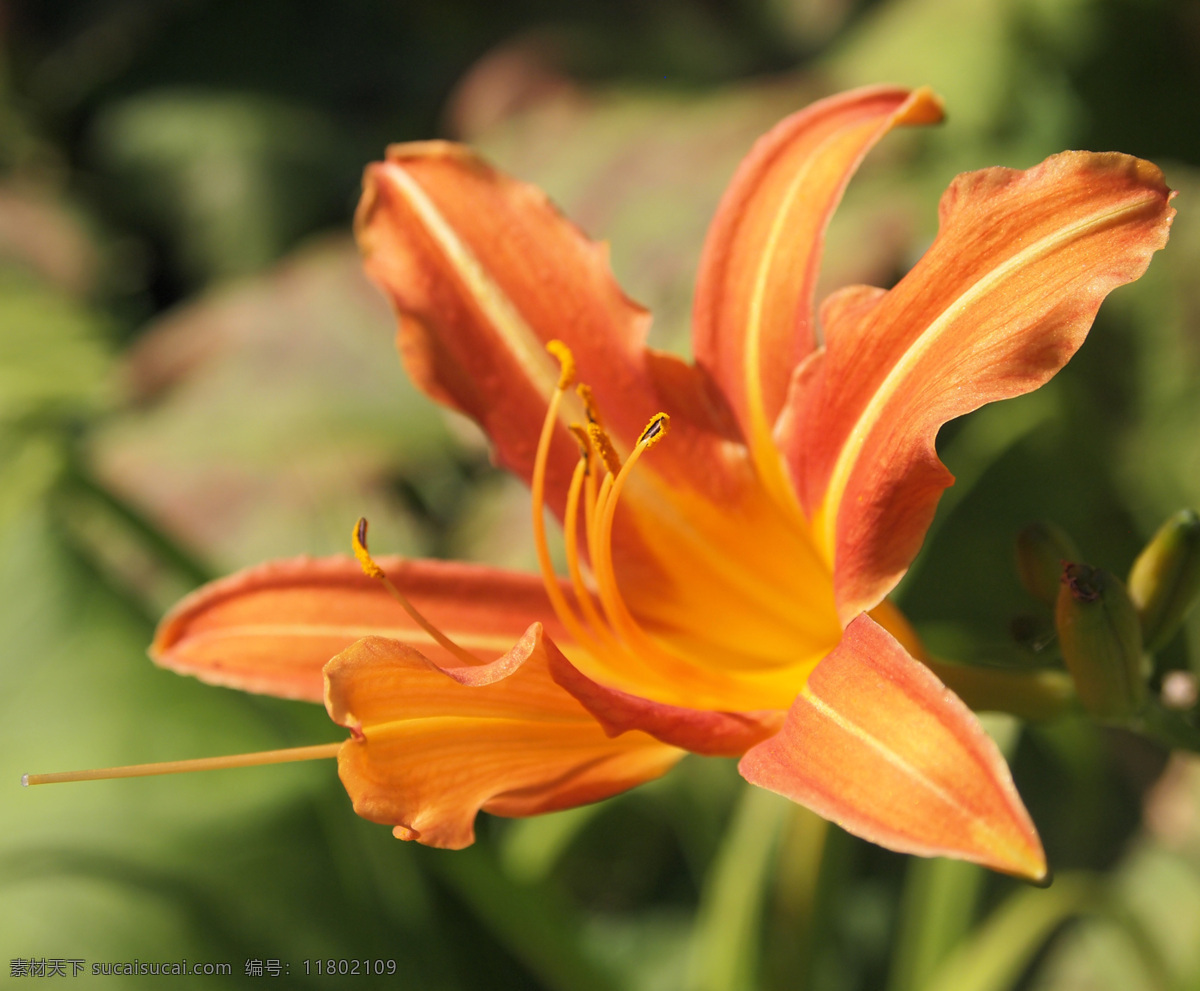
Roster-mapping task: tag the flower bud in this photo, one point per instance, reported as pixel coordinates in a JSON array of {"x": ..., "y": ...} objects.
[
  {"x": 1165, "y": 579},
  {"x": 1042, "y": 550},
  {"x": 1101, "y": 641}
]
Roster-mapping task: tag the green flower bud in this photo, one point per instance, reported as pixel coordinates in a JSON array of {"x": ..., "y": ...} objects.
[
  {"x": 1164, "y": 581},
  {"x": 1101, "y": 640},
  {"x": 1042, "y": 550}
]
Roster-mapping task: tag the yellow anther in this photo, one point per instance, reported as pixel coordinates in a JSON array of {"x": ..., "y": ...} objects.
[
  {"x": 655, "y": 430},
  {"x": 581, "y": 438},
  {"x": 359, "y": 540},
  {"x": 566, "y": 376},
  {"x": 372, "y": 570},
  {"x": 589, "y": 403},
  {"x": 604, "y": 447}
]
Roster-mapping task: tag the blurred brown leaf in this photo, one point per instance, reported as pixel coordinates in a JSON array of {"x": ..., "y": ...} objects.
[
  {"x": 39, "y": 233},
  {"x": 269, "y": 413}
]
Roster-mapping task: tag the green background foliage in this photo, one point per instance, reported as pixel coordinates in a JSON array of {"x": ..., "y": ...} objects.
[{"x": 195, "y": 376}]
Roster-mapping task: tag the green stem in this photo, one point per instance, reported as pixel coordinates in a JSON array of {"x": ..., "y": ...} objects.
[
  {"x": 936, "y": 913},
  {"x": 838, "y": 855},
  {"x": 940, "y": 897},
  {"x": 1030, "y": 695},
  {"x": 999, "y": 951},
  {"x": 798, "y": 909},
  {"x": 1167, "y": 726},
  {"x": 725, "y": 948},
  {"x": 531, "y": 847}
]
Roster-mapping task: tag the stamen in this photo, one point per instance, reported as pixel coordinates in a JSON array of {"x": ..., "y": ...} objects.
[
  {"x": 600, "y": 544},
  {"x": 585, "y": 447},
  {"x": 585, "y": 456},
  {"x": 591, "y": 493},
  {"x": 372, "y": 570},
  {"x": 583, "y": 594},
  {"x": 596, "y": 503},
  {"x": 566, "y": 360},
  {"x": 604, "y": 446},
  {"x": 554, "y": 592},
  {"x": 584, "y": 392},
  {"x": 655, "y": 430},
  {"x": 359, "y": 542},
  {"x": 317, "y": 752}
]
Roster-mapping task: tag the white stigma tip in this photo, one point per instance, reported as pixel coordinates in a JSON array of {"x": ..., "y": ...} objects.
[{"x": 24, "y": 780}]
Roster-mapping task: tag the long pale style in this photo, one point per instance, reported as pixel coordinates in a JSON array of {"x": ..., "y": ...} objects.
[{"x": 732, "y": 526}]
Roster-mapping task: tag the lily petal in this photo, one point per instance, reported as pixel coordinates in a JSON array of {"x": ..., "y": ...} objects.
[
  {"x": 272, "y": 628},
  {"x": 483, "y": 271},
  {"x": 878, "y": 745},
  {"x": 754, "y": 310},
  {"x": 433, "y": 745},
  {"x": 998, "y": 304},
  {"x": 701, "y": 731}
]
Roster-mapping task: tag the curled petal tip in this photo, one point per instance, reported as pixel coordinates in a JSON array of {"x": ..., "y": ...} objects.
[
  {"x": 923, "y": 107},
  {"x": 1039, "y": 874}
]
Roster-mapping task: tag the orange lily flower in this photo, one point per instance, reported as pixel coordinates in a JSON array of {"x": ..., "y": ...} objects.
[{"x": 726, "y": 591}]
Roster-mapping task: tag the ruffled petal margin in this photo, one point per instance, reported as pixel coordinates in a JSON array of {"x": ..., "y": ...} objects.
[
  {"x": 483, "y": 271},
  {"x": 998, "y": 304},
  {"x": 754, "y": 315},
  {"x": 431, "y": 746},
  {"x": 878, "y": 745}
]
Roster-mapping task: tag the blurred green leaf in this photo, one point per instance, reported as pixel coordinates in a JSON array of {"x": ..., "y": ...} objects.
[
  {"x": 54, "y": 362},
  {"x": 230, "y": 175},
  {"x": 533, "y": 924},
  {"x": 937, "y": 911},
  {"x": 994, "y": 956},
  {"x": 30, "y": 463},
  {"x": 905, "y": 42},
  {"x": 726, "y": 948},
  {"x": 531, "y": 847}
]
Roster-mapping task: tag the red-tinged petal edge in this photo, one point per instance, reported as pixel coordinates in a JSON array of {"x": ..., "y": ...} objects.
[
  {"x": 878, "y": 745},
  {"x": 272, "y": 628},
  {"x": 999, "y": 303},
  {"x": 483, "y": 271},
  {"x": 713, "y": 734},
  {"x": 432, "y": 746},
  {"x": 754, "y": 313}
]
